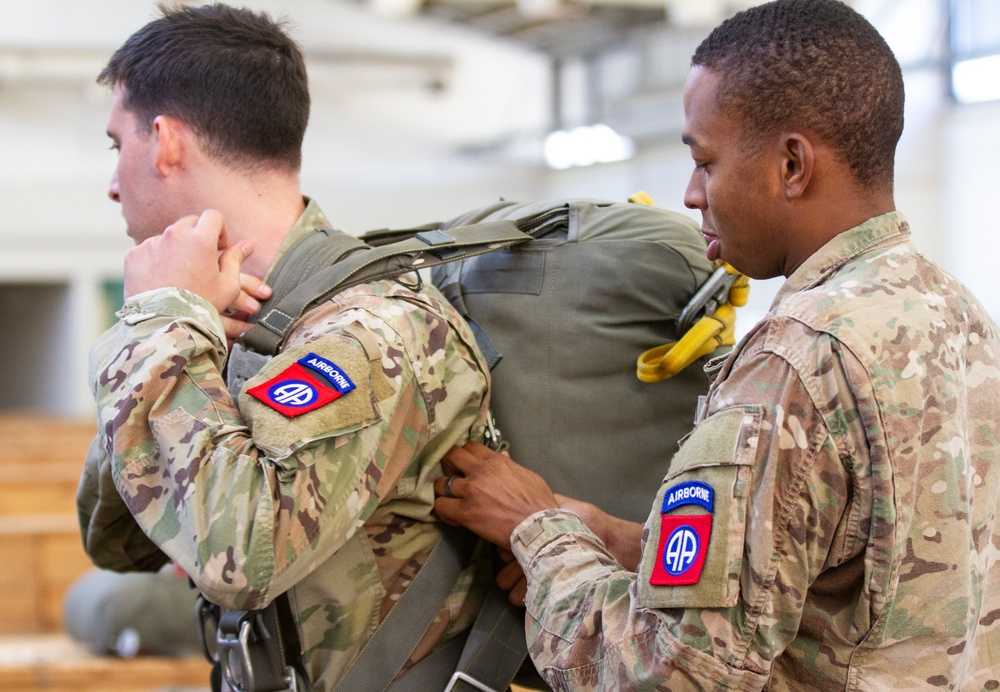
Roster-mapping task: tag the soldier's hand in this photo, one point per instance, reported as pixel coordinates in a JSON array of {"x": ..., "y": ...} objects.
[
  {"x": 622, "y": 538},
  {"x": 193, "y": 254},
  {"x": 247, "y": 303},
  {"x": 511, "y": 578},
  {"x": 488, "y": 492}
]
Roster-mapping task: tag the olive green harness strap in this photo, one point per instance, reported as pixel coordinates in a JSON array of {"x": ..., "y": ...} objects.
[{"x": 333, "y": 261}]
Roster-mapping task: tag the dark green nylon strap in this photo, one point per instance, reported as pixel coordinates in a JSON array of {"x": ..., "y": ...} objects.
[
  {"x": 397, "y": 636},
  {"x": 496, "y": 645},
  {"x": 319, "y": 249},
  {"x": 356, "y": 263}
]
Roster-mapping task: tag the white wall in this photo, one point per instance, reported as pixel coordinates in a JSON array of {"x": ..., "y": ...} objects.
[{"x": 379, "y": 152}]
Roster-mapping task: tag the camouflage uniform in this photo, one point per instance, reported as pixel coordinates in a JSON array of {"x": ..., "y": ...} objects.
[
  {"x": 334, "y": 506},
  {"x": 850, "y": 447}
]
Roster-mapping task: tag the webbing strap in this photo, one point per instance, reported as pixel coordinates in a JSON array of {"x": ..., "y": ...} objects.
[
  {"x": 397, "y": 636},
  {"x": 496, "y": 646},
  {"x": 432, "y": 672},
  {"x": 363, "y": 263},
  {"x": 321, "y": 248}
]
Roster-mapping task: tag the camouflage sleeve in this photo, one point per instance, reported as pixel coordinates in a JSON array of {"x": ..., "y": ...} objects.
[
  {"x": 754, "y": 506},
  {"x": 111, "y": 537},
  {"x": 246, "y": 504}
]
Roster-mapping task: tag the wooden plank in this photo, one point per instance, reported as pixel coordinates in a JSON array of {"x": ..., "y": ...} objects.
[
  {"x": 41, "y": 496},
  {"x": 40, "y": 557},
  {"x": 18, "y": 584},
  {"x": 31, "y": 440},
  {"x": 55, "y": 662},
  {"x": 61, "y": 561}
]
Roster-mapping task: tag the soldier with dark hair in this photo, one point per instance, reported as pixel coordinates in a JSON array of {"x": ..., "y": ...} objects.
[
  {"x": 254, "y": 71},
  {"x": 831, "y": 522},
  {"x": 315, "y": 483}
]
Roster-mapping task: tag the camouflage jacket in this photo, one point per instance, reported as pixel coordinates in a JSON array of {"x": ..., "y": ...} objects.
[
  {"x": 333, "y": 505},
  {"x": 831, "y": 522}
]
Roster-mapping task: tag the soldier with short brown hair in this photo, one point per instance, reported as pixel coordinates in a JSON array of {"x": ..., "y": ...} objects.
[{"x": 316, "y": 481}]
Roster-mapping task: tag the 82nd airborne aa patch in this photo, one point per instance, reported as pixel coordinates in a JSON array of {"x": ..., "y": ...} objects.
[
  {"x": 683, "y": 538},
  {"x": 306, "y": 385}
]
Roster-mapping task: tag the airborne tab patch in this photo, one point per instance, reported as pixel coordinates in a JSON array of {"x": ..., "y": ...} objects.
[
  {"x": 295, "y": 391},
  {"x": 683, "y": 538},
  {"x": 333, "y": 374},
  {"x": 689, "y": 493}
]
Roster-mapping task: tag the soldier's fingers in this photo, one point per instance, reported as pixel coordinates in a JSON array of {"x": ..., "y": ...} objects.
[
  {"x": 232, "y": 259},
  {"x": 234, "y": 327},
  {"x": 466, "y": 460},
  {"x": 448, "y": 510},
  {"x": 457, "y": 460},
  {"x": 254, "y": 287},
  {"x": 212, "y": 225},
  {"x": 509, "y": 575},
  {"x": 516, "y": 595}
]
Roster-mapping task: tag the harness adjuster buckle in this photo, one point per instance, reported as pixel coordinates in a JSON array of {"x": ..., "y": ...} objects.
[
  {"x": 233, "y": 655},
  {"x": 459, "y": 676}
]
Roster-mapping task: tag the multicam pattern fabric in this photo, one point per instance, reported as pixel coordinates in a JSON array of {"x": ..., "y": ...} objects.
[
  {"x": 334, "y": 506},
  {"x": 852, "y": 441}
]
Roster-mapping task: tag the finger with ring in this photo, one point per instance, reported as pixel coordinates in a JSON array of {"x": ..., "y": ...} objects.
[{"x": 447, "y": 486}]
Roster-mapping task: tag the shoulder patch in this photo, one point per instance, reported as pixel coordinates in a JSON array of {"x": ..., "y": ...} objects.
[
  {"x": 684, "y": 539},
  {"x": 296, "y": 390},
  {"x": 305, "y": 380}
]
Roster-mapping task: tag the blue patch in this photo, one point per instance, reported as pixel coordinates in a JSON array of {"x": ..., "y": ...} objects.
[
  {"x": 682, "y": 550},
  {"x": 329, "y": 370},
  {"x": 689, "y": 493},
  {"x": 294, "y": 393}
]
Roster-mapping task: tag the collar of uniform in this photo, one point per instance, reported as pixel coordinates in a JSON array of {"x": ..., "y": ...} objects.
[
  {"x": 880, "y": 231},
  {"x": 311, "y": 219}
]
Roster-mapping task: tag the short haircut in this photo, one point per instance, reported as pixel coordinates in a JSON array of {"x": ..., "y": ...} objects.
[
  {"x": 234, "y": 76},
  {"x": 814, "y": 64}
]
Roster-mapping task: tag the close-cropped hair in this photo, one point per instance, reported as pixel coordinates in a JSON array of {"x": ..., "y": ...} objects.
[
  {"x": 814, "y": 64},
  {"x": 234, "y": 76}
]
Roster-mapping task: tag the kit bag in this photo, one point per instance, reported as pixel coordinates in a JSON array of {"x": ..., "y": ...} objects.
[{"x": 567, "y": 314}]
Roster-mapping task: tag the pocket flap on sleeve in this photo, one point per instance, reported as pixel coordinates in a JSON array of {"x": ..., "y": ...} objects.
[{"x": 694, "y": 550}]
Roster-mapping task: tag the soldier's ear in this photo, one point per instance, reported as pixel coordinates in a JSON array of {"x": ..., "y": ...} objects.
[
  {"x": 170, "y": 135},
  {"x": 798, "y": 161}
]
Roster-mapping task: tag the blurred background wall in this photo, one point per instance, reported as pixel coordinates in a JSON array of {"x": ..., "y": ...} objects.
[{"x": 425, "y": 108}]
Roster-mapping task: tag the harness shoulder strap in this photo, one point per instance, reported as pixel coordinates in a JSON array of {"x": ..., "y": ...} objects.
[
  {"x": 397, "y": 636},
  {"x": 357, "y": 262}
]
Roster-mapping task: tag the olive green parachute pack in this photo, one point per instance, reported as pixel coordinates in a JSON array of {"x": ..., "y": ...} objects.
[
  {"x": 566, "y": 298},
  {"x": 567, "y": 315}
]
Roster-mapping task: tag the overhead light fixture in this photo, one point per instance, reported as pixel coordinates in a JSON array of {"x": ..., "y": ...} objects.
[
  {"x": 976, "y": 80},
  {"x": 585, "y": 146}
]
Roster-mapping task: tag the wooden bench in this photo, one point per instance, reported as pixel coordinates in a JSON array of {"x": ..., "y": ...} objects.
[
  {"x": 41, "y": 555},
  {"x": 40, "y": 549},
  {"x": 54, "y": 662}
]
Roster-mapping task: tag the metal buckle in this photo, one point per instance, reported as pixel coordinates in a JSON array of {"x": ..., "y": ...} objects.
[
  {"x": 706, "y": 300},
  {"x": 233, "y": 655},
  {"x": 459, "y": 676},
  {"x": 494, "y": 438},
  {"x": 206, "y": 613}
]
